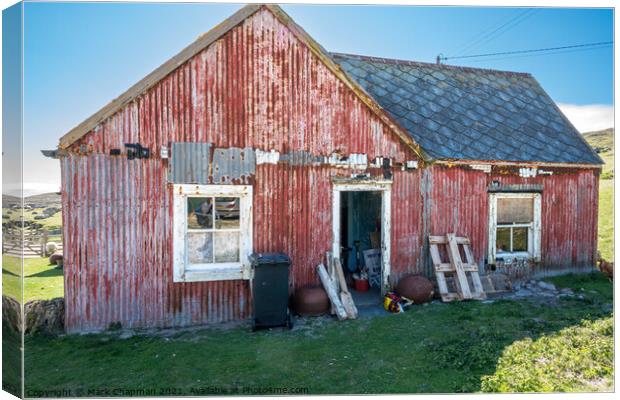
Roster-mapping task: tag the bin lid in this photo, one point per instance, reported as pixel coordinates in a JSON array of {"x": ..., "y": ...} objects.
[{"x": 269, "y": 258}]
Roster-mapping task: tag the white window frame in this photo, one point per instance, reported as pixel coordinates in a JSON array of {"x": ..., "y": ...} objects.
[
  {"x": 534, "y": 228},
  {"x": 183, "y": 271}
]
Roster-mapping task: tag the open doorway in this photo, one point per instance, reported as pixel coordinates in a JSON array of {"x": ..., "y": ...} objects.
[
  {"x": 361, "y": 228},
  {"x": 360, "y": 243}
]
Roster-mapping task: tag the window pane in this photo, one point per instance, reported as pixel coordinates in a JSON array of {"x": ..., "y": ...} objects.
[
  {"x": 200, "y": 247},
  {"x": 519, "y": 239},
  {"x": 519, "y": 210},
  {"x": 226, "y": 247},
  {"x": 199, "y": 213},
  {"x": 502, "y": 240},
  {"x": 227, "y": 213}
]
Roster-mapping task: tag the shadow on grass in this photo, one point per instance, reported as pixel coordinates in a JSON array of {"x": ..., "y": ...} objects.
[
  {"x": 6, "y": 271},
  {"x": 48, "y": 273},
  {"x": 436, "y": 348}
]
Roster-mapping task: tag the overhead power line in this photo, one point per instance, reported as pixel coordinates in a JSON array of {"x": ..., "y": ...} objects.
[
  {"x": 530, "y": 51},
  {"x": 539, "y": 54},
  {"x": 487, "y": 36}
]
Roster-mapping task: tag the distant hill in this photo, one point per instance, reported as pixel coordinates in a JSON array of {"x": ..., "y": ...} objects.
[
  {"x": 600, "y": 139},
  {"x": 45, "y": 198},
  {"x": 8, "y": 200},
  {"x": 603, "y": 143},
  {"x": 38, "y": 200}
]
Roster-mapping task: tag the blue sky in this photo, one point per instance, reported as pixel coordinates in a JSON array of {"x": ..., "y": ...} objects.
[{"x": 80, "y": 56}]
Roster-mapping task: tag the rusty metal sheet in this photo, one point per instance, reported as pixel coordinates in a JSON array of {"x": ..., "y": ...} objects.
[
  {"x": 233, "y": 165},
  {"x": 301, "y": 158},
  {"x": 189, "y": 162},
  {"x": 117, "y": 221}
]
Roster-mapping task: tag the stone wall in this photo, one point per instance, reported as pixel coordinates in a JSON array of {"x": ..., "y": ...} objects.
[
  {"x": 42, "y": 316},
  {"x": 11, "y": 313}
]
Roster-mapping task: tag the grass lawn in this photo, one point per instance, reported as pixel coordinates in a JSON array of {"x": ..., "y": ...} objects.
[
  {"x": 11, "y": 361},
  {"x": 41, "y": 280},
  {"x": 576, "y": 358},
  {"x": 433, "y": 348},
  {"x": 605, "y": 138},
  {"x": 606, "y": 219}
]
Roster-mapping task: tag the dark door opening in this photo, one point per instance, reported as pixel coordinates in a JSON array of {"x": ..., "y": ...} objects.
[{"x": 360, "y": 233}]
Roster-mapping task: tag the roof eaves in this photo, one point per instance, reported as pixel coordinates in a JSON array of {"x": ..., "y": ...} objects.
[{"x": 549, "y": 164}]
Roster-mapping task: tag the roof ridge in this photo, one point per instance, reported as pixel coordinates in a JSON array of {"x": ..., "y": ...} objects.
[{"x": 427, "y": 64}]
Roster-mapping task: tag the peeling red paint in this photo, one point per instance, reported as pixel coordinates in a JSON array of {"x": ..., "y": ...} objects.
[
  {"x": 257, "y": 87},
  {"x": 569, "y": 211},
  {"x": 260, "y": 87}
]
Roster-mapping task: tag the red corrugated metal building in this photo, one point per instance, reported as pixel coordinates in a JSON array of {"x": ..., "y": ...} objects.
[{"x": 256, "y": 123}]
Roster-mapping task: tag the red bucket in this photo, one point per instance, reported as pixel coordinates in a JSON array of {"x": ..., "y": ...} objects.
[{"x": 361, "y": 285}]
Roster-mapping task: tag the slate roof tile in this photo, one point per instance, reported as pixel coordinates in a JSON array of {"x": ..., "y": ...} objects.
[
  {"x": 443, "y": 102},
  {"x": 470, "y": 113}
]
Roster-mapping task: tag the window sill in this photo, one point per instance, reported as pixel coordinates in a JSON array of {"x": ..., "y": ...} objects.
[
  {"x": 513, "y": 258},
  {"x": 215, "y": 273},
  {"x": 519, "y": 254}
]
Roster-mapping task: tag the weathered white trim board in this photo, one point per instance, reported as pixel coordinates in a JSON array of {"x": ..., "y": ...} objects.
[
  {"x": 534, "y": 234},
  {"x": 385, "y": 187},
  {"x": 182, "y": 270}
]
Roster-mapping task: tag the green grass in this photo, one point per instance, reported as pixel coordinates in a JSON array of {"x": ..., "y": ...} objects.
[
  {"x": 606, "y": 219},
  {"x": 434, "y": 348},
  {"x": 11, "y": 361},
  {"x": 41, "y": 280},
  {"x": 577, "y": 358},
  {"x": 605, "y": 138}
]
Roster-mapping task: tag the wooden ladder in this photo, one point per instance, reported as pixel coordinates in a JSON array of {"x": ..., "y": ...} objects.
[{"x": 456, "y": 267}]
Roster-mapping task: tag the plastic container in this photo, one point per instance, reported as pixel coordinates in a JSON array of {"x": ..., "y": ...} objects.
[
  {"x": 270, "y": 290},
  {"x": 361, "y": 285}
]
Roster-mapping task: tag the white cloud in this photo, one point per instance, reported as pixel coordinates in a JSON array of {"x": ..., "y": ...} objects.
[{"x": 589, "y": 117}]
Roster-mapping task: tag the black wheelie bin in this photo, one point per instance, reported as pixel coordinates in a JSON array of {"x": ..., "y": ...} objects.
[{"x": 270, "y": 290}]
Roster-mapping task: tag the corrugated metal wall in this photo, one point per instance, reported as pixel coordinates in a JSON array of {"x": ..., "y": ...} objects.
[
  {"x": 257, "y": 87},
  {"x": 118, "y": 234},
  {"x": 408, "y": 234},
  {"x": 459, "y": 203},
  {"x": 118, "y": 225},
  {"x": 569, "y": 216}
]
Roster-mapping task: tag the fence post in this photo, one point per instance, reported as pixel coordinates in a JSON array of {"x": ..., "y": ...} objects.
[{"x": 44, "y": 243}]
